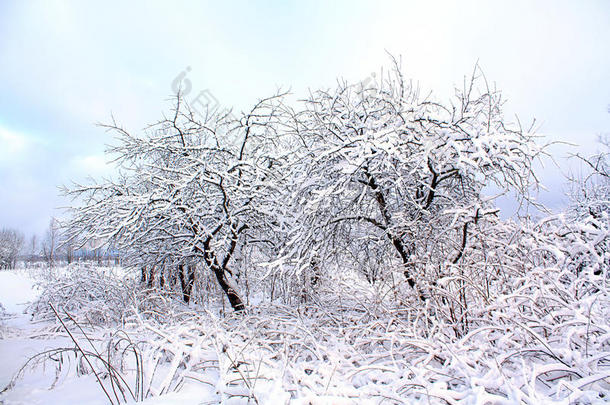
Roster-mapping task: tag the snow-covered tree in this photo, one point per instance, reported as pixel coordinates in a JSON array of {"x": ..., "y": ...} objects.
[
  {"x": 586, "y": 226},
  {"x": 50, "y": 243},
  {"x": 192, "y": 191},
  {"x": 11, "y": 243},
  {"x": 384, "y": 171}
]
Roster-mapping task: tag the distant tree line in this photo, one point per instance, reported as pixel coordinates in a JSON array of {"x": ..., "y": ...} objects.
[{"x": 51, "y": 250}]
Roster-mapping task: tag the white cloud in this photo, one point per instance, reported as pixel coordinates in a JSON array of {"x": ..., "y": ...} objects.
[{"x": 13, "y": 145}]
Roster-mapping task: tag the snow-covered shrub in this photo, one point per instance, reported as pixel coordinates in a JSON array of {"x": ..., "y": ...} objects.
[
  {"x": 97, "y": 296},
  {"x": 348, "y": 352}
]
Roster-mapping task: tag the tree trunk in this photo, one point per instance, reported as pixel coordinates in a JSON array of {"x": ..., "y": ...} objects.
[
  {"x": 186, "y": 281},
  {"x": 151, "y": 277},
  {"x": 234, "y": 299},
  {"x": 397, "y": 242},
  {"x": 220, "y": 271},
  {"x": 162, "y": 277},
  {"x": 404, "y": 256},
  {"x": 143, "y": 276}
]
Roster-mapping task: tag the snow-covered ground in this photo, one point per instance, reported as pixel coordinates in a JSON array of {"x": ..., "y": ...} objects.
[
  {"x": 21, "y": 339},
  {"x": 349, "y": 351}
]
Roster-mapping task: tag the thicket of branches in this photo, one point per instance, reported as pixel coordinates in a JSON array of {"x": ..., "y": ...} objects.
[{"x": 377, "y": 180}]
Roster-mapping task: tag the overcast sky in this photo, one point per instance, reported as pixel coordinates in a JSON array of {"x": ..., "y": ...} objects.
[{"x": 65, "y": 66}]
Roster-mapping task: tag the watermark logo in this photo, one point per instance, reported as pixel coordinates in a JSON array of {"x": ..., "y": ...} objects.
[
  {"x": 181, "y": 83},
  {"x": 204, "y": 103},
  {"x": 369, "y": 85},
  {"x": 205, "y": 100}
]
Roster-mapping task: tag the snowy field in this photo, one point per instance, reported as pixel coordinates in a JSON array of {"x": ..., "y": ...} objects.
[
  {"x": 21, "y": 339},
  {"x": 149, "y": 347}
]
